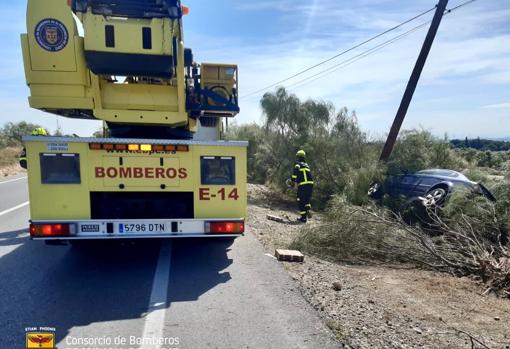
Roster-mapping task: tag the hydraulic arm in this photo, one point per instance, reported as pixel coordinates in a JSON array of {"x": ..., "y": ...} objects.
[{"x": 130, "y": 68}]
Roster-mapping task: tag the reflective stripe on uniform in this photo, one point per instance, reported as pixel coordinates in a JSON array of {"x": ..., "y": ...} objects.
[
  {"x": 308, "y": 205},
  {"x": 23, "y": 158},
  {"x": 305, "y": 177},
  {"x": 302, "y": 212}
]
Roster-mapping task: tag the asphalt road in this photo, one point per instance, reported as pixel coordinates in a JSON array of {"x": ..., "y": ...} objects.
[{"x": 180, "y": 293}]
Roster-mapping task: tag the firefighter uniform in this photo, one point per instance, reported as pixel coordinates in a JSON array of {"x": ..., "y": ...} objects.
[
  {"x": 23, "y": 156},
  {"x": 302, "y": 176}
]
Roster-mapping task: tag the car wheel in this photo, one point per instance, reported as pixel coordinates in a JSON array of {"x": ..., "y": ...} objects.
[
  {"x": 375, "y": 190},
  {"x": 435, "y": 197}
]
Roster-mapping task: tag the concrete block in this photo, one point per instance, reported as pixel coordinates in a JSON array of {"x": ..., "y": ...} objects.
[
  {"x": 289, "y": 255},
  {"x": 275, "y": 218}
]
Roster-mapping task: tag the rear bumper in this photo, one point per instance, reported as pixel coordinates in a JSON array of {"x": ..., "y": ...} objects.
[{"x": 135, "y": 229}]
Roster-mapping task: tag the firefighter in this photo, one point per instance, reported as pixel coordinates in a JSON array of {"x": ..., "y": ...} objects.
[
  {"x": 23, "y": 156},
  {"x": 302, "y": 176}
]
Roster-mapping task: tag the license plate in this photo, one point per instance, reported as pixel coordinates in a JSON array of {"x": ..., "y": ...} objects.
[{"x": 142, "y": 227}]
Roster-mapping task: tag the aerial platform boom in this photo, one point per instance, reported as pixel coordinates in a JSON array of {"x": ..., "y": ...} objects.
[{"x": 130, "y": 68}]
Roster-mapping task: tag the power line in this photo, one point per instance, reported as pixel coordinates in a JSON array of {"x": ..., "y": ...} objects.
[
  {"x": 460, "y": 5},
  {"x": 368, "y": 52},
  {"x": 359, "y": 56},
  {"x": 343, "y": 52},
  {"x": 354, "y": 59}
]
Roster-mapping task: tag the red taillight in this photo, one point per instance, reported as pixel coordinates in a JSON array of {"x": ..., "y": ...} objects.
[
  {"x": 225, "y": 227},
  {"x": 50, "y": 229}
]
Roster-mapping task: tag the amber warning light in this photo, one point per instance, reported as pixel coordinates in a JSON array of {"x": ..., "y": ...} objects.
[{"x": 146, "y": 148}]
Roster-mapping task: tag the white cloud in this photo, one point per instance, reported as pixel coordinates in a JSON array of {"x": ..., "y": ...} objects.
[
  {"x": 497, "y": 106},
  {"x": 472, "y": 47},
  {"x": 282, "y": 6}
]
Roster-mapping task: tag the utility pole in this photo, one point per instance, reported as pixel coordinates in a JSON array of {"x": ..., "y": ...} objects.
[{"x": 413, "y": 80}]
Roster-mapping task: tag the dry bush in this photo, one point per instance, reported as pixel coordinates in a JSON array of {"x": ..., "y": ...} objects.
[
  {"x": 355, "y": 234},
  {"x": 9, "y": 156},
  {"x": 466, "y": 245}
]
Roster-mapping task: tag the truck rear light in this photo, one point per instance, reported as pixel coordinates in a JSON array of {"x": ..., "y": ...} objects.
[
  {"x": 50, "y": 229},
  {"x": 224, "y": 227},
  {"x": 182, "y": 148}
]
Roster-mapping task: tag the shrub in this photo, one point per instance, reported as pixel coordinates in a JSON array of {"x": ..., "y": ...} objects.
[
  {"x": 9, "y": 156},
  {"x": 419, "y": 149},
  {"x": 469, "y": 243},
  {"x": 350, "y": 234}
]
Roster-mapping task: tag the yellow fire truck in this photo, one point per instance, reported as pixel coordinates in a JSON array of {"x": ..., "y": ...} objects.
[{"x": 161, "y": 171}]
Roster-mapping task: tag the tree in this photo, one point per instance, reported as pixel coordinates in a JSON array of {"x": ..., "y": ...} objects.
[
  {"x": 254, "y": 134},
  {"x": 12, "y": 133},
  {"x": 335, "y": 145}
]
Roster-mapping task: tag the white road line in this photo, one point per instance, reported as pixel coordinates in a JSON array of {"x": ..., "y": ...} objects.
[
  {"x": 14, "y": 208},
  {"x": 155, "y": 319},
  {"x": 13, "y": 180}
]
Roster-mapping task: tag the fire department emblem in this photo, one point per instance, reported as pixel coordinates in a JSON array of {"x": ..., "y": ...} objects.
[
  {"x": 51, "y": 35},
  {"x": 40, "y": 340}
]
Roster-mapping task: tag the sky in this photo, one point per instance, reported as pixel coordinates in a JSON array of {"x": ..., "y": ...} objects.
[{"x": 464, "y": 89}]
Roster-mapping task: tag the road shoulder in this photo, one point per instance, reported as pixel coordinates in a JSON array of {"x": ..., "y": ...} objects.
[{"x": 384, "y": 306}]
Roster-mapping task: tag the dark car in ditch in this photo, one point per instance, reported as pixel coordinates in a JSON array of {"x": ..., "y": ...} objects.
[{"x": 431, "y": 187}]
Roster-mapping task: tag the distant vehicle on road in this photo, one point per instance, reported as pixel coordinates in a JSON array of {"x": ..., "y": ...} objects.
[{"x": 432, "y": 187}]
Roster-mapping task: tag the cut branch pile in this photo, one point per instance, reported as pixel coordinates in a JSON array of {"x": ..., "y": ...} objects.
[{"x": 462, "y": 246}]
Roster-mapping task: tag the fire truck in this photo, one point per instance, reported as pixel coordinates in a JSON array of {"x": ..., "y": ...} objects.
[{"x": 161, "y": 170}]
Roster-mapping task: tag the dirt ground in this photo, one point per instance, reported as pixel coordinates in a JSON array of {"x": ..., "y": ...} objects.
[{"x": 384, "y": 306}]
